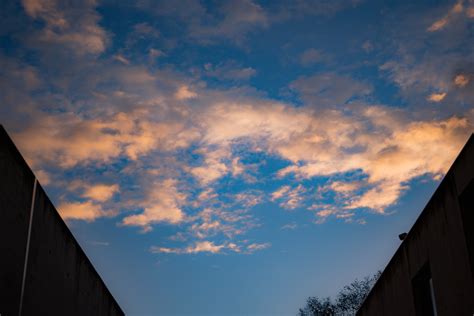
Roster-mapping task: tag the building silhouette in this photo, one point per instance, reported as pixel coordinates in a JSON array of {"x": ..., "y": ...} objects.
[
  {"x": 43, "y": 270},
  {"x": 432, "y": 272}
]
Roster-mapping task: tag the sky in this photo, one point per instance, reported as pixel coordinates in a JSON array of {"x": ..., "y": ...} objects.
[{"x": 235, "y": 157}]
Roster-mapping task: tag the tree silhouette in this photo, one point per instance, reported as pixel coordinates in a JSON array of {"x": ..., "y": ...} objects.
[{"x": 347, "y": 301}]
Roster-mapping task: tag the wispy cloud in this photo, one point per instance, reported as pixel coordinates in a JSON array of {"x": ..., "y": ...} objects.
[
  {"x": 229, "y": 70},
  {"x": 210, "y": 247},
  {"x": 440, "y": 24},
  {"x": 161, "y": 204},
  {"x": 290, "y": 198},
  {"x": 312, "y": 56},
  {"x": 330, "y": 89},
  {"x": 200, "y": 246},
  {"x": 290, "y": 226},
  {"x": 82, "y": 33}
]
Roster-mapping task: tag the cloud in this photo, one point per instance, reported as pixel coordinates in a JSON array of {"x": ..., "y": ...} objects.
[
  {"x": 280, "y": 193},
  {"x": 461, "y": 80},
  {"x": 200, "y": 246},
  {"x": 81, "y": 33},
  {"x": 214, "y": 166},
  {"x": 207, "y": 195},
  {"x": 203, "y": 230},
  {"x": 256, "y": 247},
  {"x": 100, "y": 192},
  {"x": 442, "y": 22},
  {"x": 294, "y": 10},
  {"x": 161, "y": 204},
  {"x": 230, "y": 20},
  {"x": 239, "y": 17},
  {"x": 144, "y": 29},
  {"x": 248, "y": 199},
  {"x": 225, "y": 219},
  {"x": 155, "y": 53},
  {"x": 313, "y": 141},
  {"x": 404, "y": 153},
  {"x": 122, "y": 59},
  {"x": 330, "y": 142},
  {"x": 68, "y": 139},
  {"x": 87, "y": 211},
  {"x": 184, "y": 93},
  {"x": 290, "y": 198},
  {"x": 43, "y": 177},
  {"x": 470, "y": 12},
  {"x": 368, "y": 46},
  {"x": 416, "y": 69},
  {"x": 407, "y": 154},
  {"x": 290, "y": 226},
  {"x": 438, "y": 25},
  {"x": 312, "y": 56},
  {"x": 324, "y": 211},
  {"x": 210, "y": 247},
  {"x": 329, "y": 89},
  {"x": 174, "y": 142},
  {"x": 205, "y": 246},
  {"x": 229, "y": 70},
  {"x": 437, "y": 97},
  {"x": 344, "y": 187}
]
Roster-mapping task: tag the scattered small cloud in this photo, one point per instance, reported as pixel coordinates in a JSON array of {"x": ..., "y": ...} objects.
[
  {"x": 440, "y": 24},
  {"x": 312, "y": 56},
  {"x": 256, "y": 247},
  {"x": 437, "y": 97},
  {"x": 368, "y": 46},
  {"x": 229, "y": 70},
  {"x": 280, "y": 193},
  {"x": 184, "y": 93},
  {"x": 155, "y": 53},
  {"x": 290, "y": 198},
  {"x": 290, "y": 226},
  {"x": 122, "y": 59},
  {"x": 144, "y": 29},
  {"x": 461, "y": 80},
  {"x": 344, "y": 187}
]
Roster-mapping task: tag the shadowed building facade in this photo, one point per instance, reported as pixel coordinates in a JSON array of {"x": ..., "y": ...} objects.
[
  {"x": 431, "y": 273},
  {"x": 43, "y": 270}
]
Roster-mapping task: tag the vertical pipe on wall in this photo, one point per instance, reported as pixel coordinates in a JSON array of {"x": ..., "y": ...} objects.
[{"x": 32, "y": 208}]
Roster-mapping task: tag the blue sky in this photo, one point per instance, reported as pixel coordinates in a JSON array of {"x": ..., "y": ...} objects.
[{"x": 235, "y": 157}]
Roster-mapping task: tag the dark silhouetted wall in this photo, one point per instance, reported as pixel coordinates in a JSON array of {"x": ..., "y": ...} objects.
[
  {"x": 59, "y": 278},
  {"x": 439, "y": 247}
]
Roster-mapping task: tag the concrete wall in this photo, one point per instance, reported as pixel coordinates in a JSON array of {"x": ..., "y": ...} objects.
[
  {"x": 440, "y": 238},
  {"x": 59, "y": 279}
]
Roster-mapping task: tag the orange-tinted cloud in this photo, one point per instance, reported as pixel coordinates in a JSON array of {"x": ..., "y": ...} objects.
[
  {"x": 437, "y": 97},
  {"x": 162, "y": 204},
  {"x": 87, "y": 211}
]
